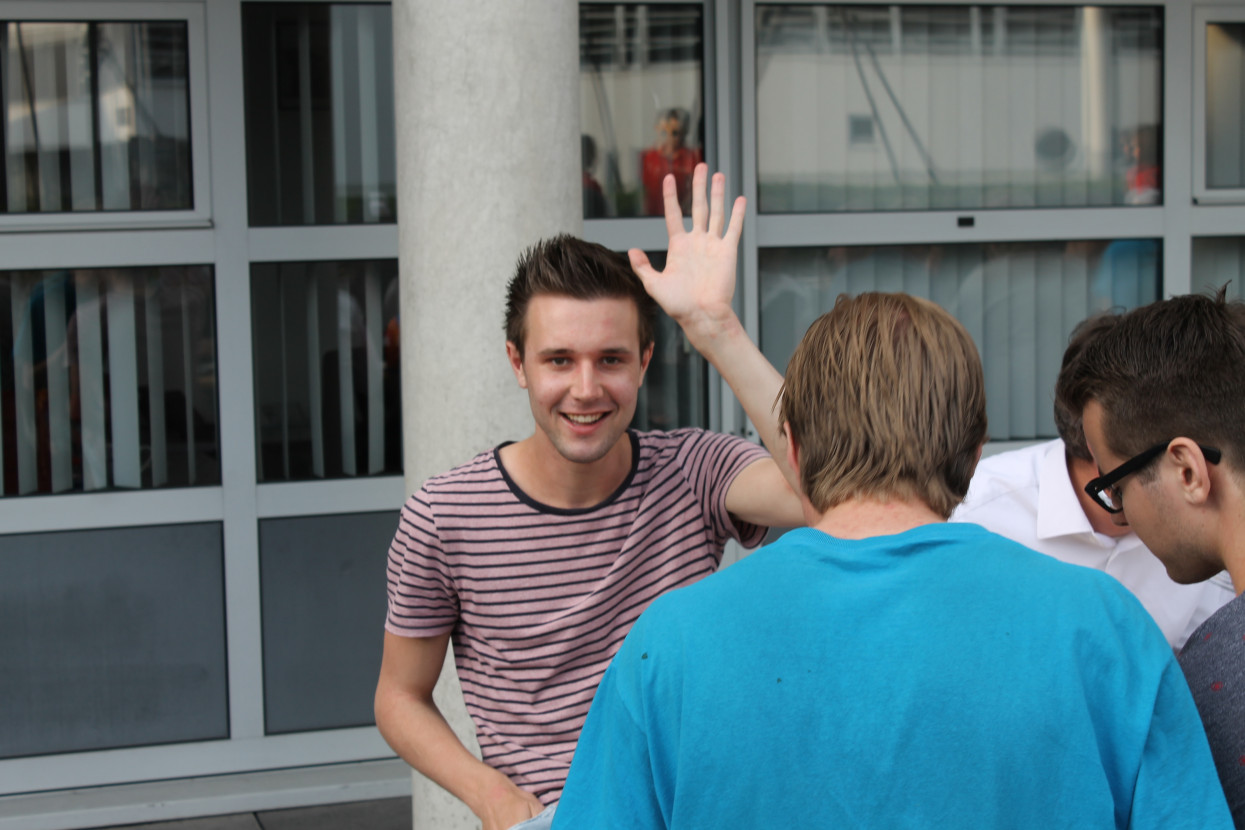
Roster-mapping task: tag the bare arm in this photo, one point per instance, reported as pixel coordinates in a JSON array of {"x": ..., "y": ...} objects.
[
  {"x": 410, "y": 721},
  {"x": 696, "y": 289}
]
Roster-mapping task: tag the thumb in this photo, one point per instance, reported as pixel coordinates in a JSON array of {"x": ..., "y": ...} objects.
[{"x": 641, "y": 265}]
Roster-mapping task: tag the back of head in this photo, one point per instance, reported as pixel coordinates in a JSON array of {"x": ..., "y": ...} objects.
[
  {"x": 886, "y": 400},
  {"x": 567, "y": 266},
  {"x": 1169, "y": 369},
  {"x": 1067, "y": 421}
]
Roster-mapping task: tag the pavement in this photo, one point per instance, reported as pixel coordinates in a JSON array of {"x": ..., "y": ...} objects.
[{"x": 381, "y": 814}]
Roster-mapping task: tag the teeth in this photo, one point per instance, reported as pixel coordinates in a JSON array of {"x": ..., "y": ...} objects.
[{"x": 584, "y": 419}]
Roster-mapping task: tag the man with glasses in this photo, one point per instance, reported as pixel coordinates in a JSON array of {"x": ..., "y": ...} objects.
[
  {"x": 1036, "y": 496},
  {"x": 1162, "y": 396}
]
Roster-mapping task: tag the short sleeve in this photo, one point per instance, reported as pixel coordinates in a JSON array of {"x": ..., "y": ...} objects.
[
  {"x": 1176, "y": 784},
  {"x": 710, "y": 461},
  {"x": 422, "y": 599}
]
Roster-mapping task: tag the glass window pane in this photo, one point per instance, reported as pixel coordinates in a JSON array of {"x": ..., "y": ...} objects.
[
  {"x": 112, "y": 638},
  {"x": 1225, "y": 104},
  {"x": 323, "y": 592},
  {"x": 642, "y": 114},
  {"x": 327, "y": 378},
  {"x": 96, "y": 116},
  {"x": 319, "y": 113},
  {"x": 1219, "y": 262},
  {"x": 676, "y": 387},
  {"x": 107, "y": 379},
  {"x": 863, "y": 108},
  {"x": 1019, "y": 301}
]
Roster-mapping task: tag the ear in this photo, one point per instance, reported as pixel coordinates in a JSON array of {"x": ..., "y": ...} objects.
[
  {"x": 793, "y": 450},
  {"x": 646, "y": 356},
  {"x": 516, "y": 364},
  {"x": 1186, "y": 458}
]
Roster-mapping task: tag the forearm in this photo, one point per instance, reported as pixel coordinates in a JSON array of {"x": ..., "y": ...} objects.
[
  {"x": 722, "y": 341},
  {"x": 418, "y": 732}
]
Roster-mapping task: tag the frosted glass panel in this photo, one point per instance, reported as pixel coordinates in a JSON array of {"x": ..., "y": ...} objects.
[
  {"x": 112, "y": 638},
  {"x": 95, "y": 116},
  {"x": 642, "y": 114},
  {"x": 863, "y": 108},
  {"x": 1019, "y": 301},
  {"x": 323, "y": 584}
]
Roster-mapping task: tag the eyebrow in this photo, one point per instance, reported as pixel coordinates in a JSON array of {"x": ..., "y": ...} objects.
[{"x": 610, "y": 350}]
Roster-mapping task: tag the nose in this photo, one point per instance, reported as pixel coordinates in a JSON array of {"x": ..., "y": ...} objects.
[
  {"x": 586, "y": 384},
  {"x": 1120, "y": 519}
]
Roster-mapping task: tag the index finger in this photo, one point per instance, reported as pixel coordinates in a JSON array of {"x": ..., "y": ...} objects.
[{"x": 674, "y": 213}]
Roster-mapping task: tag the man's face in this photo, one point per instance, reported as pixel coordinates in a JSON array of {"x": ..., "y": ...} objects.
[
  {"x": 1152, "y": 507},
  {"x": 582, "y": 367}
]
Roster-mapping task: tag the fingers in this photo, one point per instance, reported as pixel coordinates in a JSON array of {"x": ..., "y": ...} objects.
[
  {"x": 674, "y": 213},
  {"x": 717, "y": 195},
  {"x": 700, "y": 207},
  {"x": 737, "y": 221}
]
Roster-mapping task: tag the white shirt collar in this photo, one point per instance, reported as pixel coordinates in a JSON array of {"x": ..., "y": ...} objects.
[{"x": 1059, "y": 511}]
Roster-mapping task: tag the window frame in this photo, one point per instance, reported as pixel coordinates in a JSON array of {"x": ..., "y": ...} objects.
[
  {"x": 1203, "y": 16},
  {"x": 193, "y": 15}
]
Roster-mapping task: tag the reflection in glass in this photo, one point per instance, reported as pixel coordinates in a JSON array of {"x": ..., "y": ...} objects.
[
  {"x": 641, "y": 104},
  {"x": 676, "y": 387},
  {"x": 863, "y": 108},
  {"x": 1019, "y": 301},
  {"x": 107, "y": 379},
  {"x": 96, "y": 116},
  {"x": 319, "y": 113},
  {"x": 1225, "y": 105},
  {"x": 327, "y": 383},
  {"x": 1219, "y": 261}
]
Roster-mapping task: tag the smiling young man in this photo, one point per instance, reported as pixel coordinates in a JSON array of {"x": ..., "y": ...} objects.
[
  {"x": 536, "y": 557},
  {"x": 1162, "y": 397}
]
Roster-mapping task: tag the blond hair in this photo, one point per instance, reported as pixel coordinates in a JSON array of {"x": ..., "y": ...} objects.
[{"x": 886, "y": 399}]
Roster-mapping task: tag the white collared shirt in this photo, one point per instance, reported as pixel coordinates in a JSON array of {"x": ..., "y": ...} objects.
[{"x": 1027, "y": 496}]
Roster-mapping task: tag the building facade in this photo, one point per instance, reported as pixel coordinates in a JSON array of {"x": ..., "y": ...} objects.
[{"x": 201, "y": 443}]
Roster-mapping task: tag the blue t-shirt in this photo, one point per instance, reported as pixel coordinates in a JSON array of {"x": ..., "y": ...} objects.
[{"x": 940, "y": 678}]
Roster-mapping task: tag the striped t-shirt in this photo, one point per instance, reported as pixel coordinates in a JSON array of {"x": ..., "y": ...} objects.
[{"x": 540, "y": 598}]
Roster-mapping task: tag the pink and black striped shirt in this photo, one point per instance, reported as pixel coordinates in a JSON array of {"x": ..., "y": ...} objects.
[{"x": 539, "y": 598}]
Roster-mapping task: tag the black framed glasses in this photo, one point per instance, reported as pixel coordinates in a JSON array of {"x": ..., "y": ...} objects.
[{"x": 1105, "y": 489}]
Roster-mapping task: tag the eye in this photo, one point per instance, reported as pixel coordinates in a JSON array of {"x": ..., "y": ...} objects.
[
  {"x": 612, "y": 360},
  {"x": 559, "y": 361}
]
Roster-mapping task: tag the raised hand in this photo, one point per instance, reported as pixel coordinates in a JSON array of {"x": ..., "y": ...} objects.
[{"x": 698, "y": 282}]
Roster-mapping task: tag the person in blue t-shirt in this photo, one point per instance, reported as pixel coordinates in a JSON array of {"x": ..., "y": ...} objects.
[{"x": 881, "y": 667}]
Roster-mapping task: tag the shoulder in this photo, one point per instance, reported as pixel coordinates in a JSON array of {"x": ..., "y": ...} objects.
[
  {"x": 1013, "y": 476},
  {"x": 1220, "y": 638},
  {"x": 665, "y": 446},
  {"x": 468, "y": 482}
]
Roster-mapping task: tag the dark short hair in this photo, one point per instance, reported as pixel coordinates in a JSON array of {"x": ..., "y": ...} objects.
[
  {"x": 1067, "y": 421},
  {"x": 566, "y": 266},
  {"x": 1174, "y": 368},
  {"x": 885, "y": 398}
]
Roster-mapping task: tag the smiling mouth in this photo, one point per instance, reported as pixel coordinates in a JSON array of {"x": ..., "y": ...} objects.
[{"x": 583, "y": 419}]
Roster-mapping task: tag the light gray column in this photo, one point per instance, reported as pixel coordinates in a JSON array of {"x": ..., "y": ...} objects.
[{"x": 488, "y": 162}]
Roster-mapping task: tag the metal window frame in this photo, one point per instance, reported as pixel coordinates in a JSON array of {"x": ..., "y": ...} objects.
[{"x": 200, "y": 214}]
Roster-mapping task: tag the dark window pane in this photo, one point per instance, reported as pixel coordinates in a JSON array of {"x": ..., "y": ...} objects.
[
  {"x": 319, "y": 113},
  {"x": 323, "y": 594},
  {"x": 863, "y": 108},
  {"x": 641, "y": 104},
  {"x": 327, "y": 378},
  {"x": 1018, "y": 300},
  {"x": 96, "y": 116},
  {"x": 1225, "y": 105},
  {"x": 1219, "y": 262},
  {"x": 112, "y": 638},
  {"x": 107, "y": 379}
]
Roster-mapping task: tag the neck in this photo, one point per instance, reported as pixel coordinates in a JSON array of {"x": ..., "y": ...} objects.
[
  {"x": 862, "y": 518},
  {"x": 1232, "y": 534},
  {"x": 545, "y": 475},
  {"x": 1080, "y": 473}
]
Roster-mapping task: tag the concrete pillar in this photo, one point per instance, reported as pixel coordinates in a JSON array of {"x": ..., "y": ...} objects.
[{"x": 487, "y": 100}]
